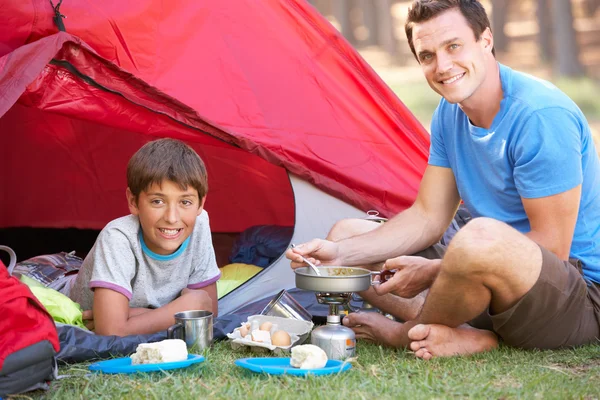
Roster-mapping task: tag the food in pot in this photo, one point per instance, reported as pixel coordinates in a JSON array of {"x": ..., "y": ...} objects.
[
  {"x": 342, "y": 271},
  {"x": 169, "y": 350}
]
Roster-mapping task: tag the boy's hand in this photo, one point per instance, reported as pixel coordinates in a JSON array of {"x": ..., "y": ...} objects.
[{"x": 88, "y": 319}]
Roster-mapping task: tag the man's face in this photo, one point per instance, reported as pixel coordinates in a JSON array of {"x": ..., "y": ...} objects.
[
  {"x": 167, "y": 215},
  {"x": 452, "y": 60}
]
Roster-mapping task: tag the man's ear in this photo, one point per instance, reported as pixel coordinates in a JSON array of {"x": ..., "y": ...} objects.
[
  {"x": 131, "y": 202},
  {"x": 487, "y": 40},
  {"x": 201, "y": 207}
]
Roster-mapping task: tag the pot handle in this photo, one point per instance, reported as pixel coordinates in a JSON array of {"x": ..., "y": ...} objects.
[{"x": 384, "y": 276}]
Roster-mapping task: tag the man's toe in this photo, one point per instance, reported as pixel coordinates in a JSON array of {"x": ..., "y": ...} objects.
[{"x": 419, "y": 332}]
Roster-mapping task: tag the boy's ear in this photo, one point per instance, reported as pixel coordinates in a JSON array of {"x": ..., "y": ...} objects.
[
  {"x": 131, "y": 202},
  {"x": 201, "y": 205}
]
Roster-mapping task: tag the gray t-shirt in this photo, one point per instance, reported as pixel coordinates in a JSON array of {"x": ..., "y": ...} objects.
[{"x": 120, "y": 261}]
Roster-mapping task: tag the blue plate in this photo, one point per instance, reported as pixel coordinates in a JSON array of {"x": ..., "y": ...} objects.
[
  {"x": 124, "y": 366},
  {"x": 281, "y": 366}
]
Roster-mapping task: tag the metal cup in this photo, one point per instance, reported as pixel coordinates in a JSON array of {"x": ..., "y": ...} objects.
[
  {"x": 284, "y": 305},
  {"x": 195, "y": 327}
]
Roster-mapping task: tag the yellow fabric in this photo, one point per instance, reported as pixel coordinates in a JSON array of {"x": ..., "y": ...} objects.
[
  {"x": 233, "y": 275},
  {"x": 60, "y": 307}
]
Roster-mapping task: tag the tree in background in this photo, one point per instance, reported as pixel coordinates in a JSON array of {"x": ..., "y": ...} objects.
[
  {"x": 566, "y": 54},
  {"x": 544, "y": 30},
  {"x": 499, "y": 14},
  {"x": 557, "y": 39}
]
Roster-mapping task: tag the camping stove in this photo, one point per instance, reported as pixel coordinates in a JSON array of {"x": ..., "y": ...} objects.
[{"x": 338, "y": 341}]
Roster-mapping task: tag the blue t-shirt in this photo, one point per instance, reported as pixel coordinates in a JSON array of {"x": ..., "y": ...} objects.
[{"x": 539, "y": 145}]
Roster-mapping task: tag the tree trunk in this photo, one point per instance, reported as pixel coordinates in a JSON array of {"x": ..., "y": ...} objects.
[
  {"x": 566, "y": 60},
  {"x": 499, "y": 11},
  {"x": 385, "y": 32},
  {"x": 341, "y": 11},
  {"x": 369, "y": 12},
  {"x": 544, "y": 19}
]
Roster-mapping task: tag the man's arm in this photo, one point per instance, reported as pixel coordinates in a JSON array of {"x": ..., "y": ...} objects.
[
  {"x": 414, "y": 229},
  {"x": 552, "y": 220},
  {"x": 112, "y": 313}
]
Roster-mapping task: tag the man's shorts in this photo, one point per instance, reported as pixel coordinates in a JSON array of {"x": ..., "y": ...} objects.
[{"x": 560, "y": 310}]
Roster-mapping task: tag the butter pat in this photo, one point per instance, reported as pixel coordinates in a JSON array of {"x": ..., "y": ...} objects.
[
  {"x": 308, "y": 356},
  {"x": 169, "y": 350}
]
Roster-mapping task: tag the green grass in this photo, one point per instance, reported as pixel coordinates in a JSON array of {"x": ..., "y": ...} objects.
[
  {"x": 377, "y": 373},
  {"x": 422, "y": 101}
]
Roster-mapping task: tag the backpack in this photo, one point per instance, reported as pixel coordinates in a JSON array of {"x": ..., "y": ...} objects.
[{"x": 28, "y": 337}]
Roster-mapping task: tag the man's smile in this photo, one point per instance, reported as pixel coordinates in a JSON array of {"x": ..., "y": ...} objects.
[{"x": 453, "y": 79}]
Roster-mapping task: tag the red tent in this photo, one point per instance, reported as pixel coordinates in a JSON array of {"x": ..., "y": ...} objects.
[
  {"x": 261, "y": 89},
  {"x": 254, "y": 85}
]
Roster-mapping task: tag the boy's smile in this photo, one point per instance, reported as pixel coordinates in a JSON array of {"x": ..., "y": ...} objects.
[{"x": 167, "y": 215}]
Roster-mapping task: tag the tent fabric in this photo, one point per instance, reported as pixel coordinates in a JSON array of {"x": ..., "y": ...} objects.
[{"x": 259, "y": 89}]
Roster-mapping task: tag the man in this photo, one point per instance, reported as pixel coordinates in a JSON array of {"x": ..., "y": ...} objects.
[{"x": 520, "y": 155}]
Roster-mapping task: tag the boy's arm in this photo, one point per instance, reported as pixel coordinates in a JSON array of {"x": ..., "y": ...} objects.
[
  {"x": 211, "y": 291},
  {"x": 112, "y": 313}
]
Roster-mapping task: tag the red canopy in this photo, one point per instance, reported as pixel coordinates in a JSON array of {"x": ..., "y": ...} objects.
[{"x": 256, "y": 87}]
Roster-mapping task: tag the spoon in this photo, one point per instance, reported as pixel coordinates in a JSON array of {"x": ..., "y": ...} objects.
[{"x": 312, "y": 266}]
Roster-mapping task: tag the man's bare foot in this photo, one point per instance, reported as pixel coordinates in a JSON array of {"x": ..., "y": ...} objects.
[
  {"x": 429, "y": 341},
  {"x": 377, "y": 328}
]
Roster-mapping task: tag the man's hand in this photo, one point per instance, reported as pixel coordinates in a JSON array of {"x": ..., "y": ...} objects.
[
  {"x": 88, "y": 319},
  {"x": 413, "y": 276},
  {"x": 317, "y": 251}
]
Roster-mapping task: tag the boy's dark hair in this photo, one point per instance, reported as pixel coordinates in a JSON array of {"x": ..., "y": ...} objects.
[
  {"x": 166, "y": 159},
  {"x": 424, "y": 10}
]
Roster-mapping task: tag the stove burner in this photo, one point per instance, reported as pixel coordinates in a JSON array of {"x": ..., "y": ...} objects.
[{"x": 333, "y": 298}]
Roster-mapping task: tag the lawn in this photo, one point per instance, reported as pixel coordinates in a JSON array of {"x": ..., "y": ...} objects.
[{"x": 376, "y": 373}]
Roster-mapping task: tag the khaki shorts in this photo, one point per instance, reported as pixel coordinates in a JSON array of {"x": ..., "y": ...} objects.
[{"x": 560, "y": 310}]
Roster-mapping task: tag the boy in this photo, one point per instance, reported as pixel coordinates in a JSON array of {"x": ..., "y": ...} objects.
[{"x": 158, "y": 261}]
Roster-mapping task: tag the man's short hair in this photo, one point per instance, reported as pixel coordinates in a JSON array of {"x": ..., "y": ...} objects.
[
  {"x": 166, "y": 159},
  {"x": 424, "y": 10}
]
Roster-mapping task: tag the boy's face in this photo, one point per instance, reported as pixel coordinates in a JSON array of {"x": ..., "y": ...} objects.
[
  {"x": 167, "y": 215},
  {"x": 451, "y": 59}
]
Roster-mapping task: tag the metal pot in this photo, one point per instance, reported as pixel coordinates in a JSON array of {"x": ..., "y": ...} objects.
[{"x": 334, "y": 279}]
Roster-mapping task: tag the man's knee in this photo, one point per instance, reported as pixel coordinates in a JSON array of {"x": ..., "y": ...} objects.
[
  {"x": 478, "y": 246},
  {"x": 346, "y": 228}
]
